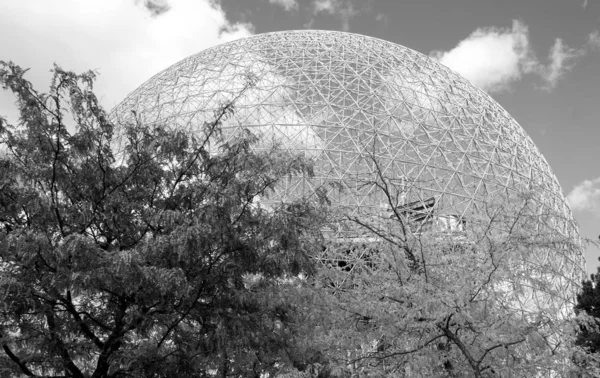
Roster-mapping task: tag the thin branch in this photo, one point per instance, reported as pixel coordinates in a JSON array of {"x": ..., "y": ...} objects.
[
  {"x": 84, "y": 328},
  {"x": 18, "y": 361},
  {"x": 400, "y": 353},
  {"x": 180, "y": 319},
  {"x": 53, "y": 190},
  {"x": 62, "y": 350},
  {"x": 463, "y": 348},
  {"x": 222, "y": 114},
  {"x": 488, "y": 350}
]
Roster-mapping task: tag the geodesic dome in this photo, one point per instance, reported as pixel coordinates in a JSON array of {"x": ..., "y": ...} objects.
[{"x": 364, "y": 109}]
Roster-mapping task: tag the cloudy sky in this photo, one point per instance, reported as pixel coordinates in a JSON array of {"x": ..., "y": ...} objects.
[{"x": 540, "y": 59}]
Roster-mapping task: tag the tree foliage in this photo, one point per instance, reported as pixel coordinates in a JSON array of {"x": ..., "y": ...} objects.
[
  {"x": 153, "y": 261},
  {"x": 137, "y": 250},
  {"x": 587, "y": 353},
  {"x": 588, "y": 302},
  {"x": 411, "y": 303}
]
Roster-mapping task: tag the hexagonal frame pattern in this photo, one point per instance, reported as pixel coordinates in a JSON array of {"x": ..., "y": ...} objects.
[{"x": 359, "y": 106}]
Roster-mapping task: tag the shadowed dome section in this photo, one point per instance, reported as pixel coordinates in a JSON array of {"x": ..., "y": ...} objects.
[{"x": 364, "y": 108}]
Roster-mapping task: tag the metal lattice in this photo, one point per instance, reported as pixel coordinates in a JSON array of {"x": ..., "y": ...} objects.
[{"x": 348, "y": 101}]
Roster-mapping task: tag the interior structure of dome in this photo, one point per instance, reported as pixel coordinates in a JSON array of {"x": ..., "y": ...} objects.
[{"x": 368, "y": 111}]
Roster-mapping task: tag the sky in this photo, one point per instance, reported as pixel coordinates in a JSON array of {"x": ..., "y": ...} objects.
[{"x": 539, "y": 59}]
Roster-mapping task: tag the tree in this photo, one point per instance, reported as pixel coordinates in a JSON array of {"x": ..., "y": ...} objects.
[
  {"x": 587, "y": 355},
  {"x": 588, "y": 302},
  {"x": 485, "y": 301},
  {"x": 151, "y": 261}
]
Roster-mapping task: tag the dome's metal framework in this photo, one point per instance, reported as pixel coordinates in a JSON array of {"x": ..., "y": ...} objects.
[{"x": 364, "y": 109}]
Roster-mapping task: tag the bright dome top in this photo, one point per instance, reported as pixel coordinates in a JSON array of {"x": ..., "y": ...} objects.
[{"x": 348, "y": 101}]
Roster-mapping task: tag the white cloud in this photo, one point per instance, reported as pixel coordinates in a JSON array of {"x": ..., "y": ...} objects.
[
  {"x": 288, "y": 5},
  {"x": 344, "y": 9},
  {"x": 594, "y": 40},
  {"x": 491, "y": 58},
  {"x": 156, "y": 7},
  {"x": 585, "y": 196},
  {"x": 383, "y": 18},
  {"x": 127, "y": 41},
  {"x": 309, "y": 24},
  {"x": 562, "y": 59},
  {"x": 329, "y": 6},
  {"x": 494, "y": 58}
]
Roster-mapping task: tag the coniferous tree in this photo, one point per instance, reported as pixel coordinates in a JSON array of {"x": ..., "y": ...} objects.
[
  {"x": 588, "y": 301},
  {"x": 588, "y": 328}
]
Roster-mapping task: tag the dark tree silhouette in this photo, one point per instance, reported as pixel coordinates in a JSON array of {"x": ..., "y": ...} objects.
[{"x": 153, "y": 262}]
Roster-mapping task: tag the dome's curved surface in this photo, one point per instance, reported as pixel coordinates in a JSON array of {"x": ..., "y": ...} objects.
[{"x": 360, "y": 106}]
